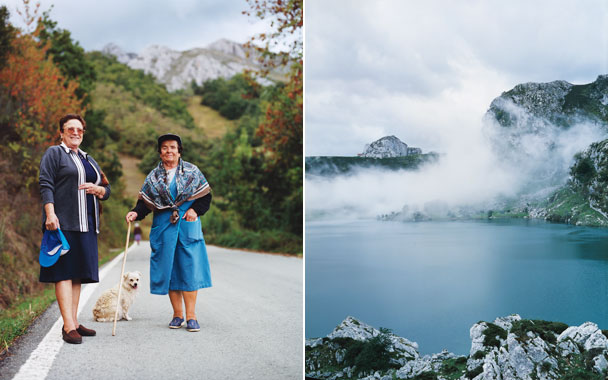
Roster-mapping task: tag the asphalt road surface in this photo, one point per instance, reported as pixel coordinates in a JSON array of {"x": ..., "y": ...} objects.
[{"x": 251, "y": 327}]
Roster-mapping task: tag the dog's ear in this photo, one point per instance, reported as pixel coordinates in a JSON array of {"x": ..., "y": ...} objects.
[
  {"x": 125, "y": 276},
  {"x": 139, "y": 273}
]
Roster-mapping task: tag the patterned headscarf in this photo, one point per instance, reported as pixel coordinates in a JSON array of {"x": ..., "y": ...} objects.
[{"x": 191, "y": 184}]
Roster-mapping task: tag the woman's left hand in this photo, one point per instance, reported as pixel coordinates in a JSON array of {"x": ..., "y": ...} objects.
[
  {"x": 190, "y": 215},
  {"x": 92, "y": 188}
]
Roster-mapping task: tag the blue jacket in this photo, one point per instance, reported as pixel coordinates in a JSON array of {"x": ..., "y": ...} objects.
[{"x": 61, "y": 172}]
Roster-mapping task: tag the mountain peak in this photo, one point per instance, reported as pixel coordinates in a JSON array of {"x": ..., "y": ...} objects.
[
  {"x": 388, "y": 146},
  {"x": 177, "y": 69}
]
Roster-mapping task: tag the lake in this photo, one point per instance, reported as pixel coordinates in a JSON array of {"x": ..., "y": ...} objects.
[{"x": 431, "y": 281}]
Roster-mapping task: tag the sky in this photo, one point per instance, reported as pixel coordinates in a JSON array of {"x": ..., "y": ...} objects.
[
  {"x": 136, "y": 24},
  {"x": 426, "y": 72}
]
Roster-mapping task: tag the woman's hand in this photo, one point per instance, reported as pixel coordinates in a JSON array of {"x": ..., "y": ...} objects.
[
  {"x": 190, "y": 215},
  {"x": 52, "y": 222},
  {"x": 131, "y": 216},
  {"x": 92, "y": 188}
]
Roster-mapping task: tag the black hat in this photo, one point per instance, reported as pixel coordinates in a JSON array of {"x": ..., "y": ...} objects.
[{"x": 169, "y": 136}]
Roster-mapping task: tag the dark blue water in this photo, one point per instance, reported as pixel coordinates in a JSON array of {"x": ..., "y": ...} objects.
[{"x": 431, "y": 281}]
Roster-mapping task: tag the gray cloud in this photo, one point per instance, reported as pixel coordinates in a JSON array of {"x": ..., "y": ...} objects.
[{"x": 427, "y": 71}]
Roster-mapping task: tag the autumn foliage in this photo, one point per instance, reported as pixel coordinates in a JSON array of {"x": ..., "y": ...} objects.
[
  {"x": 33, "y": 98},
  {"x": 282, "y": 129},
  {"x": 36, "y": 98}
]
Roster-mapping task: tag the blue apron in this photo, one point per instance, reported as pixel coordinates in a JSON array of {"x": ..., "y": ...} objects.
[{"x": 179, "y": 255}]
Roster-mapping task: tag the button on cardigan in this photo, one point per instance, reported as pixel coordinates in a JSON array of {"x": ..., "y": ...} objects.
[{"x": 61, "y": 172}]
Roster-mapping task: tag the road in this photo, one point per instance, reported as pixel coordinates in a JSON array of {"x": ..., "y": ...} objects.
[{"x": 251, "y": 327}]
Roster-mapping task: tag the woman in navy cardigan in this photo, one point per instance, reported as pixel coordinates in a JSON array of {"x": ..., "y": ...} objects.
[{"x": 71, "y": 185}]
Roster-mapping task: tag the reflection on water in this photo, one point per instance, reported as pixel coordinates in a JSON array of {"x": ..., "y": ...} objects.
[{"x": 431, "y": 281}]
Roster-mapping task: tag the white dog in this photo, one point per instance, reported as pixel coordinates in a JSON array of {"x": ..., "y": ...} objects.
[{"x": 105, "y": 307}]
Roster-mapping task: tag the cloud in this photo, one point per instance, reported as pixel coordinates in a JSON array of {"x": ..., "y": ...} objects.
[
  {"x": 424, "y": 71},
  {"x": 474, "y": 173},
  {"x": 136, "y": 24}
]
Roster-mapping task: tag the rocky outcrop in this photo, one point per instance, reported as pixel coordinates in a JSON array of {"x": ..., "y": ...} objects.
[
  {"x": 177, "y": 69},
  {"x": 534, "y": 106},
  {"x": 509, "y": 348},
  {"x": 389, "y": 146}
]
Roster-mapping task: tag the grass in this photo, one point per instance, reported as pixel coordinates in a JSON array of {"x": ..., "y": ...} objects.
[
  {"x": 132, "y": 177},
  {"x": 137, "y": 123},
  {"x": 492, "y": 334},
  {"x": 213, "y": 125},
  {"x": 453, "y": 369},
  {"x": 569, "y": 206},
  {"x": 545, "y": 329},
  {"x": 15, "y": 320}
]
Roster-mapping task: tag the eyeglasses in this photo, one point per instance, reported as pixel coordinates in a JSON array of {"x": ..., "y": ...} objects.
[{"x": 72, "y": 130}]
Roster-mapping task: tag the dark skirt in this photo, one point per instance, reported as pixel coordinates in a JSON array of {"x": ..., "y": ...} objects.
[{"x": 80, "y": 263}]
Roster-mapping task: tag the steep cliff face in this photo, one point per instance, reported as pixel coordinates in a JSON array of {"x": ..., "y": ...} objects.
[
  {"x": 177, "y": 69},
  {"x": 508, "y": 348},
  {"x": 583, "y": 200},
  {"x": 538, "y": 127}
]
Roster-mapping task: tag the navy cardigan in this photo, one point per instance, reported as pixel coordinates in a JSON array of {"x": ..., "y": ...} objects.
[{"x": 61, "y": 172}]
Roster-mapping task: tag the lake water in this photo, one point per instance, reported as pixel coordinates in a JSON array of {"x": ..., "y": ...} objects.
[{"x": 431, "y": 281}]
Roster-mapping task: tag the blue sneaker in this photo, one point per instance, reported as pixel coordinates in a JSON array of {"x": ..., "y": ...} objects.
[
  {"x": 193, "y": 326},
  {"x": 176, "y": 323}
]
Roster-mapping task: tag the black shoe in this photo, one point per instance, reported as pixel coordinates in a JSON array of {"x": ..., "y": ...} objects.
[
  {"x": 83, "y": 331},
  {"x": 71, "y": 337}
]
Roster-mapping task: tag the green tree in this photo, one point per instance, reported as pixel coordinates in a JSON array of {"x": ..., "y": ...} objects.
[
  {"x": 7, "y": 33},
  {"x": 281, "y": 130},
  {"x": 67, "y": 54}
]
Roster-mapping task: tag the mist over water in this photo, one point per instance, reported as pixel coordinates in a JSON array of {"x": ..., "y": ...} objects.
[{"x": 480, "y": 167}]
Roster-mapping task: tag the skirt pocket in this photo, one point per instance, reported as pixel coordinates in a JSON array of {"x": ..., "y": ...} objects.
[{"x": 191, "y": 232}]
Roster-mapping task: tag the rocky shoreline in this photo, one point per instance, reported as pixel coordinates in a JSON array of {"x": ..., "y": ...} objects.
[{"x": 507, "y": 348}]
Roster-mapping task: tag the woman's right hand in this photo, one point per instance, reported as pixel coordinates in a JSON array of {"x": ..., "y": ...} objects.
[
  {"x": 52, "y": 222},
  {"x": 131, "y": 216}
]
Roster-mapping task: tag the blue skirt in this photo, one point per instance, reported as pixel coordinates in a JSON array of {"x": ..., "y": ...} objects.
[{"x": 80, "y": 263}]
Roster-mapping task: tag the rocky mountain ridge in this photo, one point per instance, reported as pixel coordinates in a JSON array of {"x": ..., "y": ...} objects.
[
  {"x": 177, "y": 69},
  {"x": 327, "y": 166},
  {"x": 558, "y": 102},
  {"x": 509, "y": 348},
  {"x": 539, "y": 126}
]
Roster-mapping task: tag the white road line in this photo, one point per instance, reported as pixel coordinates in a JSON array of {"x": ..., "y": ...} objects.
[{"x": 41, "y": 360}]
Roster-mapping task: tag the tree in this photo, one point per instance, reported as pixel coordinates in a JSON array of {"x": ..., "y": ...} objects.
[
  {"x": 7, "y": 33},
  {"x": 34, "y": 95},
  {"x": 281, "y": 130},
  {"x": 67, "y": 54}
]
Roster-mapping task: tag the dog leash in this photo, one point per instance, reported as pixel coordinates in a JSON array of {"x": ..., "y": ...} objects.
[{"x": 122, "y": 273}]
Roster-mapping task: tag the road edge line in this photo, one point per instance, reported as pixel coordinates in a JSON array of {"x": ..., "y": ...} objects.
[{"x": 40, "y": 361}]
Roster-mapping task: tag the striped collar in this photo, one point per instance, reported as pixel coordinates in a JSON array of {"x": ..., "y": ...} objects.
[{"x": 68, "y": 150}]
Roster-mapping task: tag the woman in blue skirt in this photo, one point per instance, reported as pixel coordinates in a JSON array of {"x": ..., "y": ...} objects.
[
  {"x": 179, "y": 194},
  {"x": 71, "y": 185}
]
